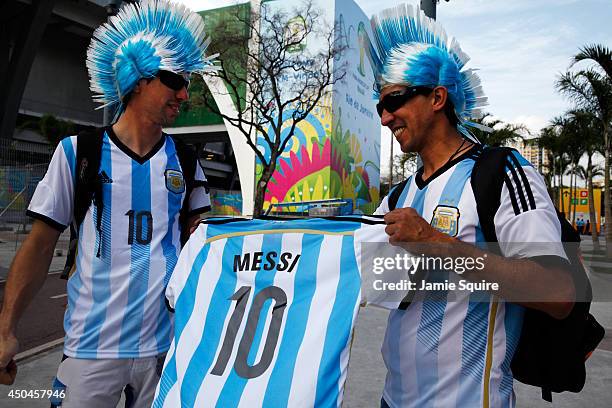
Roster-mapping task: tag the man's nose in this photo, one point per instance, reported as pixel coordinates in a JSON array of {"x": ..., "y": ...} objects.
[
  {"x": 386, "y": 118},
  {"x": 182, "y": 95}
]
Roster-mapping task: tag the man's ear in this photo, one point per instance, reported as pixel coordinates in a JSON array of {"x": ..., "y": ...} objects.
[
  {"x": 440, "y": 95},
  {"x": 138, "y": 88}
]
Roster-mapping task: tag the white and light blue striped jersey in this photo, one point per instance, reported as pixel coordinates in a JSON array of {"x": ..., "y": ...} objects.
[
  {"x": 116, "y": 306},
  {"x": 264, "y": 313},
  {"x": 456, "y": 351}
]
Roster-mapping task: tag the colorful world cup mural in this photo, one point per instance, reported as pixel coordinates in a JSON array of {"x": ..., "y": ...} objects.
[{"x": 335, "y": 152}]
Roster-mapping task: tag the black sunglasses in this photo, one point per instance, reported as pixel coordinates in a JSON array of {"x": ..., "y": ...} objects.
[
  {"x": 396, "y": 99},
  {"x": 176, "y": 82}
]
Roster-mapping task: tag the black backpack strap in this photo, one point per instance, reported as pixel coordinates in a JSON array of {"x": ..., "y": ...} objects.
[
  {"x": 396, "y": 192},
  {"x": 188, "y": 160},
  {"x": 86, "y": 189},
  {"x": 487, "y": 179}
]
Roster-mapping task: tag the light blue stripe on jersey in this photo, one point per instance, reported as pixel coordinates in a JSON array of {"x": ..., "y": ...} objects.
[
  {"x": 395, "y": 317},
  {"x": 70, "y": 156},
  {"x": 74, "y": 283},
  {"x": 401, "y": 201},
  {"x": 279, "y": 386},
  {"x": 522, "y": 161},
  {"x": 164, "y": 328},
  {"x": 218, "y": 308},
  {"x": 174, "y": 206},
  {"x": 185, "y": 301},
  {"x": 140, "y": 260},
  {"x": 234, "y": 385},
  {"x": 339, "y": 326},
  {"x": 473, "y": 352},
  {"x": 101, "y": 267},
  {"x": 453, "y": 189},
  {"x": 434, "y": 304}
]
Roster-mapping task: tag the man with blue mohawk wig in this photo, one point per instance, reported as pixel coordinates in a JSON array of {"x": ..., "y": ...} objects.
[
  {"x": 148, "y": 190},
  {"x": 453, "y": 348}
]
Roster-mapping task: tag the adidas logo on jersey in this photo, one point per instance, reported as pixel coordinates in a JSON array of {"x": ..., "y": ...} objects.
[
  {"x": 256, "y": 261},
  {"x": 104, "y": 178}
]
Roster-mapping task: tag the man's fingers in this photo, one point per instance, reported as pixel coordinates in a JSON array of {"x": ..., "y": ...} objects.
[
  {"x": 399, "y": 214},
  {"x": 8, "y": 373}
]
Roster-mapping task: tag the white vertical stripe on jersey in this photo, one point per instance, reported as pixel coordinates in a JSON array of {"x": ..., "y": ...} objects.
[
  {"x": 467, "y": 218},
  {"x": 498, "y": 356},
  {"x": 212, "y": 385},
  {"x": 344, "y": 358},
  {"x": 111, "y": 329},
  {"x": 78, "y": 314},
  {"x": 256, "y": 387},
  {"x": 449, "y": 350},
  {"x": 412, "y": 187},
  {"x": 308, "y": 360}
]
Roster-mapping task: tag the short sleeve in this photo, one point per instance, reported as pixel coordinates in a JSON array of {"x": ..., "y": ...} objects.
[
  {"x": 199, "y": 201},
  {"x": 184, "y": 265},
  {"x": 383, "y": 208},
  {"x": 53, "y": 199},
  {"x": 526, "y": 223}
]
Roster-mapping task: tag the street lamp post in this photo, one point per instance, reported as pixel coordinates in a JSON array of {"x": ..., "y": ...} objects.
[{"x": 429, "y": 8}]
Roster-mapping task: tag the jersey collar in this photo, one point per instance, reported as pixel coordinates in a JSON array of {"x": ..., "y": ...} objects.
[
  {"x": 140, "y": 159},
  {"x": 418, "y": 177}
]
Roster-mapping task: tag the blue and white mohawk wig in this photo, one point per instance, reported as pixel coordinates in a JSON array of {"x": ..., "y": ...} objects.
[
  {"x": 412, "y": 49},
  {"x": 142, "y": 39}
]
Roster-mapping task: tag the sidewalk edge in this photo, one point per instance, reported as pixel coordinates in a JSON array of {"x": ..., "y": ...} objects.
[{"x": 38, "y": 350}]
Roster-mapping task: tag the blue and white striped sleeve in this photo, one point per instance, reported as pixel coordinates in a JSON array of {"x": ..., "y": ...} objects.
[{"x": 53, "y": 199}]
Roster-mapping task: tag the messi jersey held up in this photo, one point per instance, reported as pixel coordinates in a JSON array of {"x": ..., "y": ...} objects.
[{"x": 264, "y": 313}]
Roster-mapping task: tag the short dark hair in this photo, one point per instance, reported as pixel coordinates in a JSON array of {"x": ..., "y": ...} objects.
[
  {"x": 126, "y": 99},
  {"x": 449, "y": 111}
]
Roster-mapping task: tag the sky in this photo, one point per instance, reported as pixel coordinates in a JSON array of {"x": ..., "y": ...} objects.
[{"x": 519, "y": 47}]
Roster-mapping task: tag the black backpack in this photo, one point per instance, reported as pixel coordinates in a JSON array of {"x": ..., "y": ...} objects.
[
  {"x": 88, "y": 187},
  {"x": 551, "y": 353}
]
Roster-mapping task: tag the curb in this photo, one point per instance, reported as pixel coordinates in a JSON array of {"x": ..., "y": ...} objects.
[{"x": 38, "y": 350}]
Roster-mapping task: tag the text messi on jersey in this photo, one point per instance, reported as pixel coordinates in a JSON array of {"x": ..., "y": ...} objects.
[{"x": 255, "y": 261}]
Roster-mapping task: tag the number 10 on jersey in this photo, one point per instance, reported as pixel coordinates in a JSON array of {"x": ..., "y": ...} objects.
[{"x": 241, "y": 365}]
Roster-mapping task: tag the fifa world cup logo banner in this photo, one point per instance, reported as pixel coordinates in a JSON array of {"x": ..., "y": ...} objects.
[{"x": 335, "y": 151}]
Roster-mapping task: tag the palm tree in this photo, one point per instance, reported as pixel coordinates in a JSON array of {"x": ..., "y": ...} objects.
[
  {"x": 549, "y": 139},
  {"x": 592, "y": 91},
  {"x": 589, "y": 126},
  {"x": 598, "y": 53},
  {"x": 501, "y": 134}
]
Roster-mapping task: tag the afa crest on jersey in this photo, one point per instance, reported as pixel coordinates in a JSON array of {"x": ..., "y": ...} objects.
[
  {"x": 446, "y": 219},
  {"x": 175, "y": 181}
]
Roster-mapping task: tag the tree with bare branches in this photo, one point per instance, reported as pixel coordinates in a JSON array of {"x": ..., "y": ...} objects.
[{"x": 279, "y": 81}]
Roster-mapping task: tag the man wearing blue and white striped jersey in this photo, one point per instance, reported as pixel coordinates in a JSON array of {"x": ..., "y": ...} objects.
[
  {"x": 117, "y": 325},
  {"x": 451, "y": 348}
]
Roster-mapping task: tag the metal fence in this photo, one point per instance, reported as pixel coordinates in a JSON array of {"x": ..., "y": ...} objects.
[{"x": 22, "y": 166}]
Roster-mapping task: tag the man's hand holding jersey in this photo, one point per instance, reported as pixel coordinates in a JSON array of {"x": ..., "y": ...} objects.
[
  {"x": 553, "y": 287},
  {"x": 8, "y": 348}
]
